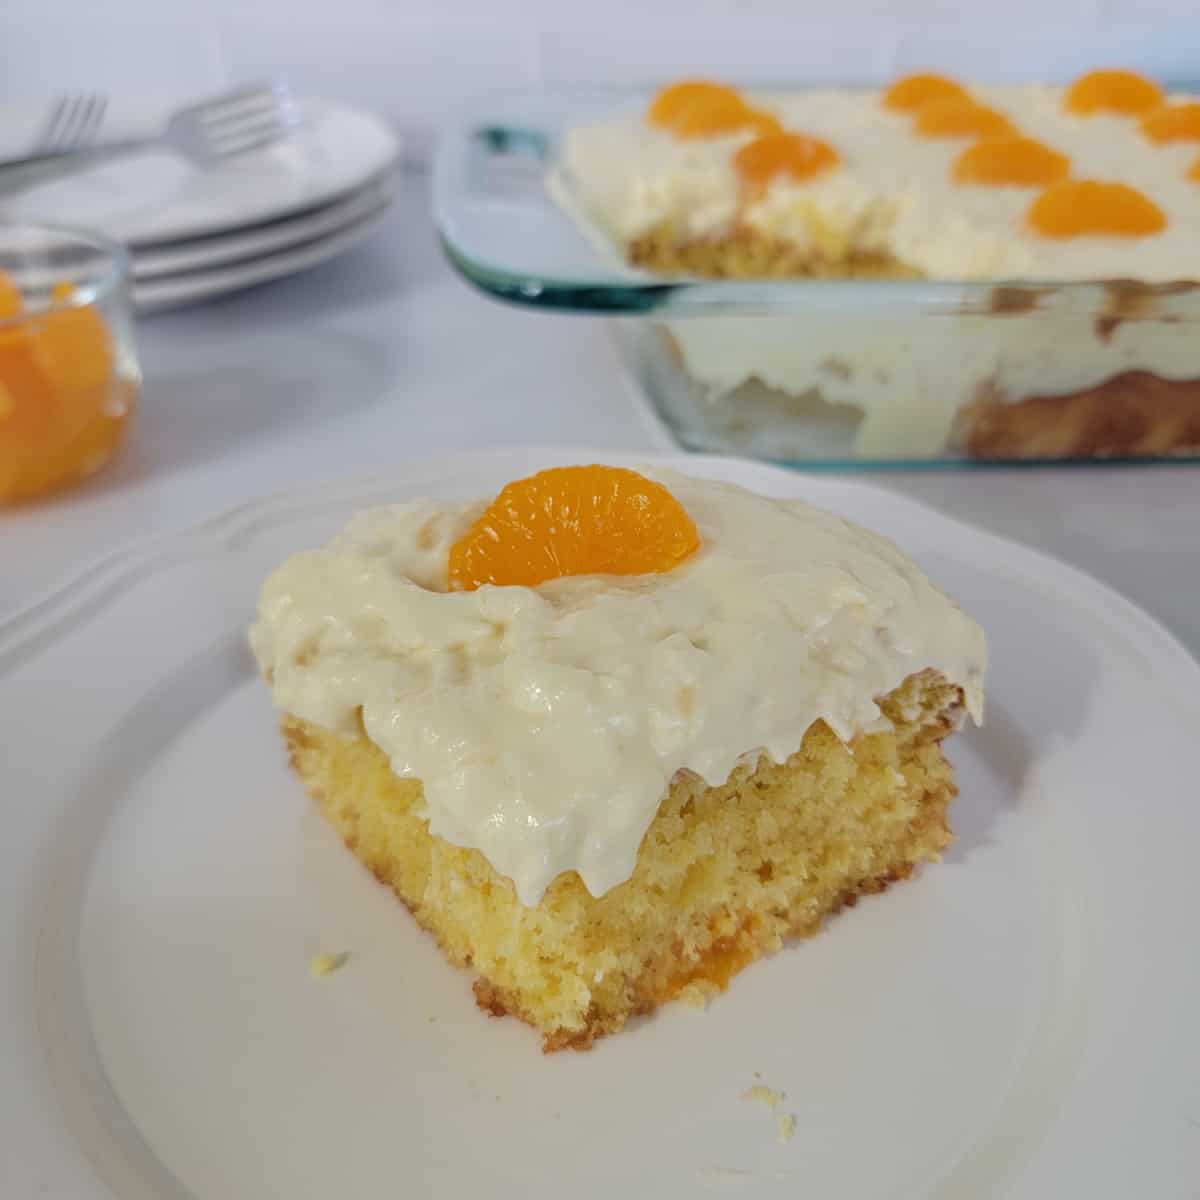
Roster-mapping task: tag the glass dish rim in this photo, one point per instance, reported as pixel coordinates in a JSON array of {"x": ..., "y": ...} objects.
[
  {"x": 625, "y": 290},
  {"x": 108, "y": 284}
]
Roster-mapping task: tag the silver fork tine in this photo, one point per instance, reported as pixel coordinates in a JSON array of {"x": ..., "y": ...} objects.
[
  {"x": 74, "y": 124},
  {"x": 255, "y": 92},
  {"x": 233, "y": 124},
  {"x": 97, "y": 107},
  {"x": 47, "y": 134},
  {"x": 69, "y": 135},
  {"x": 243, "y": 145},
  {"x": 226, "y": 126},
  {"x": 82, "y": 122},
  {"x": 204, "y": 133},
  {"x": 233, "y": 128},
  {"x": 243, "y": 102}
]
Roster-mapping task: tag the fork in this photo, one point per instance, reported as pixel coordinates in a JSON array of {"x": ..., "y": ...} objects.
[
  {"x": 71, "y": 124},
  {"x": 207, "y": 133}
]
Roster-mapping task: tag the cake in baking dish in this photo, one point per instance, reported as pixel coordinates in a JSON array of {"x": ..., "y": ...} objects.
[
  {"x": 1024, "y": 186},
  {"x": 614, "y": 736},
  {"x": 929, "y": 177}
]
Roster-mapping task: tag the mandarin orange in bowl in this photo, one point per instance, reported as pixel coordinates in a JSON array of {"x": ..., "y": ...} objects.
[{"x": 68, "y": 372}]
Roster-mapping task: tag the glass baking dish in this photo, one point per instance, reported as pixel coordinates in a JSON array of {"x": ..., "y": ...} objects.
[{"x": 817, "y": 372}]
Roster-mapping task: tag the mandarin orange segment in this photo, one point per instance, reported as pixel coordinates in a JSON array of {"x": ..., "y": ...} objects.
[
  {"x": 909, "y": 93},
  {"x": 692, "y": 105},
  {"x": 11, "y": 304},
  {"x": 74, "y": 349},
  {"x": 1194, "y": 171},
  {"x": 696, "y": 109},
  {"x": 1112, "y": 91},
  {"x": 675, "y": 100},
  {"x": 592, "y": 520},
  {"x": 1173, "y": 123},
  {"x": 793, "y": 154},
  {"x": 1010, "y": 161},
  {"x": 960, "y": 118},
  {"x": 61, "y": 413},
  {"x": 1087, "y": 207},
  {"x": 714, "y": 118},
  {"x": 27, "y": 409}
]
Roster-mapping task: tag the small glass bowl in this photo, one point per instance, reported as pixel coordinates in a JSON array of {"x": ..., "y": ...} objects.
[{"x": 69, "y": 375}]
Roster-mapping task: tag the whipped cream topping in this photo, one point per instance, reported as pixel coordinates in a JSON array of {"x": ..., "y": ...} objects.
[
  {"x": 546, "y": 724},
  {"x": 892, "y": 192},
  {"x": 909, "y": 374}
]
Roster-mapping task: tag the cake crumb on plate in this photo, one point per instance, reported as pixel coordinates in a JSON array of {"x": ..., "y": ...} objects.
[
  {"x": 765, "y": 1095},
  {"x": 785, "y": 1123},
  {"x": 321, "y": 965}
]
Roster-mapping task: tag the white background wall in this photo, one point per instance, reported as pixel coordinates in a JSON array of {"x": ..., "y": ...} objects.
[{"x": 413, "y": 60}]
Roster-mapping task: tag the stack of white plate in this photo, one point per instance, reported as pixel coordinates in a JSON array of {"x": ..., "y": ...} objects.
[{"x": 198, "y": 233}]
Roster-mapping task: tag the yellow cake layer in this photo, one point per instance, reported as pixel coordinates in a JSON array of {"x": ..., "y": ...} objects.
[
  {"x": 723, "y": 875},
  {"x": 744, "y": 253}
]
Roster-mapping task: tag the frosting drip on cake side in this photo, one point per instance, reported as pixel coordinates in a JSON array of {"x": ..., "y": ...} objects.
[{"x": 546, "y": 724}]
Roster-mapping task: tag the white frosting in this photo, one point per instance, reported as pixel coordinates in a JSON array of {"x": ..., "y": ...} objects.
[
  {"x": 893, "y": 191},
  {"x": 546, "y": 724}
]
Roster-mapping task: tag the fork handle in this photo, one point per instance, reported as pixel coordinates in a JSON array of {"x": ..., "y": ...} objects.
[{"x": 21, "y": 174}]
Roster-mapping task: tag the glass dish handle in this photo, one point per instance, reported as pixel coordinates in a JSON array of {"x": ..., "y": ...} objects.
[{"x": 506, "y": 160}]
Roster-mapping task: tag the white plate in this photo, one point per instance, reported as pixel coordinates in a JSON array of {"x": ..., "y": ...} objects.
[
  {"x": 174, "y": 291},
  {"x": 1018, "y": 1021},
  {"x": 219, "y": 249},
  {"x": 156, "y": 196}
]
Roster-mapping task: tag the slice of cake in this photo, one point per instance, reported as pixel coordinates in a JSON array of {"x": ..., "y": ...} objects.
[{"x": 612, "y": 738}]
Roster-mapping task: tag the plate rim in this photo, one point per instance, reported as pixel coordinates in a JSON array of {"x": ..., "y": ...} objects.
[
  {"x": 281, "y": 233},
  {"x": 228, "y": 531},
  {"x": 167, "y": 292}
]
